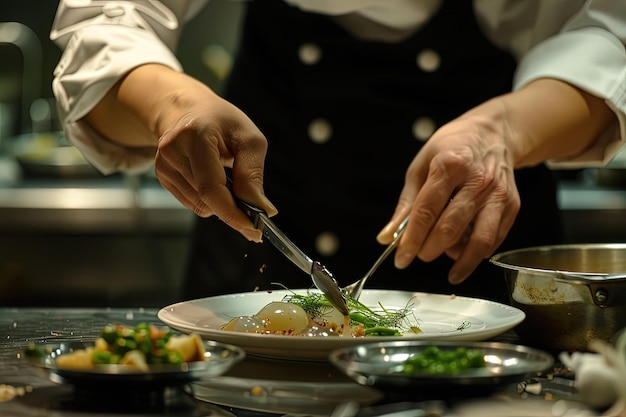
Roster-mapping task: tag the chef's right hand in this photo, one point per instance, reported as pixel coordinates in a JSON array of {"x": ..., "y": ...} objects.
[
  {"x": 195, "y": 134},
  {"x": 193, "y": 152}
]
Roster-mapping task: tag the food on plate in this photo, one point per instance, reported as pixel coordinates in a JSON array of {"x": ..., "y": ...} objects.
[
  {"x": 139, "y": 346},
  {"x": 313, "y": 315},
  {"x": 433, "y": 360}
]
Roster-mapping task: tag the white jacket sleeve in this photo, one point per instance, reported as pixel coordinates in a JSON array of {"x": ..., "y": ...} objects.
[
  {"x": 589, "y": 52},
  {"x": 101, "y": 42}
]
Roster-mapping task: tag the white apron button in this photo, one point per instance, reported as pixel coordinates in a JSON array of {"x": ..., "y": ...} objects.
[
  {"x": 428, "y": 60},
  {"x": 423, "y": 128},
  {"x": 327, "y": 243},
  {"x": 320, "y": 130},
  {"x": 309, "y": 53},
  {"x": 112, "y": 10}
]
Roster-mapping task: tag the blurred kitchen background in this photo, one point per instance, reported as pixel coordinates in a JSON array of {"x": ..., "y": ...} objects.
[
  {"x": 68, "y": 235},
  {"x": 72, "y": 237}
]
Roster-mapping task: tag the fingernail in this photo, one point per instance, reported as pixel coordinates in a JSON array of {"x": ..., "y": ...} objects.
[
  {"x": 403, "y": 260},
  {"x": 385, "y": 231},
  {"x": 271, "y": 208},
  {"x": 454, "y": 278}
]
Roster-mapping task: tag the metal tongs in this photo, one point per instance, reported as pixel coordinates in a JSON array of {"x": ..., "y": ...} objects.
[{"x": 321, "y": 276}]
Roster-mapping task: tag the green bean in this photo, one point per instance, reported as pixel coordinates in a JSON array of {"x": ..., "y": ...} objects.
[
  {"x": 362, "y": 318},
  {"x": 433, "y": 360},
  {"x": 381, "y": 331}
]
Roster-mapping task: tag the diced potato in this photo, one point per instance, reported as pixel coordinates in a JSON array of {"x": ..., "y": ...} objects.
[
  {"x": 100, "y": 345},
  {"x": 189, "y": 346},
  {"x": 135, "y": 358},
  {"x": 79, "y": 359}
]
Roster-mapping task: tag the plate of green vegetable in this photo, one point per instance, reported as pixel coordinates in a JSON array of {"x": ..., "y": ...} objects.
[
  {"x": 141, "y": 355},
  {"x": 301, "y": 325},
  {"x": 427, "y": 364}
]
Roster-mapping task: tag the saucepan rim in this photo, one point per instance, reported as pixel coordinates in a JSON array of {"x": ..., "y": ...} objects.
[{"x": 563, "y": 275}]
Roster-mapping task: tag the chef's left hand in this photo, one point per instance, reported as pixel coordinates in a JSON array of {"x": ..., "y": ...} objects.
[
  {"x": 460, "y": 194},
  {"x": 460, "y": 188}
]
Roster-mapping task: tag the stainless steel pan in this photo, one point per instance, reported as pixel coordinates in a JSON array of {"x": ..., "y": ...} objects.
[{"x": 571, "y": 294}]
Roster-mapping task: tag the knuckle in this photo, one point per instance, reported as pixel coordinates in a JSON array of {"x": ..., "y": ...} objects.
[
  {"x": 205, "y": 193},
  {"x": 450, "y": 231},
  {"x": 256, "y": 175},
  {"x": 201, "y": 209},
  {"x": 159, "y": 163},
  {"x": 515, "y": 201},
  {"x": 452, "y": 163},
  {"x": 482, "y": 244},
  {"x": 424, "y": 216}
]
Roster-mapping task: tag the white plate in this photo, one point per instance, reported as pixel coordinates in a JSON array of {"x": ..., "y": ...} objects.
[{"x": 441, "y": 317}]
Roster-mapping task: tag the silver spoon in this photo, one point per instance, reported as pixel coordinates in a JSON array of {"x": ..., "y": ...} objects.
[{"x": 354, "y": 290}]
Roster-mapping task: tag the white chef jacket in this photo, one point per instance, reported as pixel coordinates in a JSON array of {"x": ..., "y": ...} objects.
[{"x": 581, "y": 42}]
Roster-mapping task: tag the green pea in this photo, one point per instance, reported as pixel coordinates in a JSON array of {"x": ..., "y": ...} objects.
[
  {"x": 103, "y": 357},
  {"x": 109, "y": 334},
  {"x": 433, "y": 360},
  {"x": 145, "y": 345},
  {"x": 123, "y": 345},
  {"x": 142, "y": 328},
  {"x": 174, "y": 357}
]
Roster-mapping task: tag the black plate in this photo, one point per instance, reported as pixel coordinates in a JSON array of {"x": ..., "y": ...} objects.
[{"x": 219, "y": 358}]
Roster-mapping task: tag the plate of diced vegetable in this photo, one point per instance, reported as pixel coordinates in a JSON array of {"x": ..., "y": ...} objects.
[
  {"x": 433, "y": 364},
  {"x": 143, "y": 353}
]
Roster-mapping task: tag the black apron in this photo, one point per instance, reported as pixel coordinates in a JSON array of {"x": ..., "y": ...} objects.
[{"x": 371, "y": 93}]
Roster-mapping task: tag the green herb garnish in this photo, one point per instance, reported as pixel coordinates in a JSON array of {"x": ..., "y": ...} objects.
[{"x": 376, "y": 322}]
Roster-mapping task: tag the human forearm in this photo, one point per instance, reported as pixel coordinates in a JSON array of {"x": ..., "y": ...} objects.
[
  {"x": 550, "y": 119},
  {"x": 144, "y": 104}
]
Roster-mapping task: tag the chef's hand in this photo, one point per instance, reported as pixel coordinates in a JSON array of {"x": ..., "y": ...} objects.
[
  {"x": 461, "y": 197},
  {"x": 195, "y": 134},
  {"x": 460, "y": 190},
  {"x": 193, "y": 152}
]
